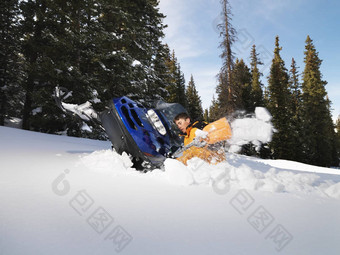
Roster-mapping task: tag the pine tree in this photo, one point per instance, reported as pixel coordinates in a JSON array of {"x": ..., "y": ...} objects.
[
  {"x": 81, "y": 63},
  {"x": 176, "y": 85},
  {"x": 337, "y": 126},
  {"x": 256, "y": 85},
  {"x": 337, "y": 141},
  {"x": 266, "y": 96},
  {"x": 96, "y": 49},
  {"x": 227, "y": 93},
  {"x": 34, "y": 46},
  {"x": 162, "y": 75},
  {"x": 278, "y": 105},
  {"x": 318, "y": 124},
  {"x": 214, "y": 110},
  {"x": 194, "y": 106},
  {"x": 10, "y": 62},
  {"x": 59, "y": 51},
  {"x": 141, "y": 41},
  {"x": 241, "y": 78},
  {"x": 295, "y": 89},
  {"x": 130, "y": 56},
  {"x": 180, "y": 87},
  {"x": 171, "y": 64},
  {"x": 296, "y": 111},
  {"x": 206, "y": 117}
]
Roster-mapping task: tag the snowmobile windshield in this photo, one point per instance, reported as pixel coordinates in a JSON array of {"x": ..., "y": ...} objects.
[{"x": 169, "y": 110}]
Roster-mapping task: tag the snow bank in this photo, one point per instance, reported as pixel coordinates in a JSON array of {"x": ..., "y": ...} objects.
[
  {"x": 236, "y": 173},
  {"x": 333, "y": 190},
  {"x": 178, "y": 173},
  {"x": 242, "y": 176},
  {"x": 107, "y": 162},
  {"x": 164, "y": 211}
]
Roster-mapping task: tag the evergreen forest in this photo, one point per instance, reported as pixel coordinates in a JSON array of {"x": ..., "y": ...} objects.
[{"x": 101, "y": 49}]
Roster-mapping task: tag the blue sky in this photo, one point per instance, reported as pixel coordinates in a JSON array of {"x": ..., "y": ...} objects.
[{"x": 193, "y": 35}]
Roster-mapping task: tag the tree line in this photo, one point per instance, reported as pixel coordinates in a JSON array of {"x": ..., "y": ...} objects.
[
  {"x": 299, "y": 104},
  {"x": 97, "y": 49},
  {"x": 101, "y": 49}
]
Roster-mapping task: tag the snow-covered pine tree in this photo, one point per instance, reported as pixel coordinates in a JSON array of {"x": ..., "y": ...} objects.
[
  {"x": 161, "y": 77},
  {"x": 318, "y": 124},
  {"x": 153, "y": 28},
  {"x": 278, "y": 105},
  {"x": 81, "y": 62},
  {"x": 10, "y": 62},
  {"x": 36, "y": 44},
  {"x": 59, "y": 51},
  {"x": 139, "y": 32},
  {"x": 96, "y": 49},
  {"x": 194, "y": 106}
]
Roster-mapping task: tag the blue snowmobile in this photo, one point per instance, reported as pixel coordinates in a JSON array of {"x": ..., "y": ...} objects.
[{"x": 147, "y": 134}]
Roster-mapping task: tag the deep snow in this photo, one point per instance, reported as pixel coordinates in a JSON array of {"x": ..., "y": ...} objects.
[{"x": 64, "y": 195}]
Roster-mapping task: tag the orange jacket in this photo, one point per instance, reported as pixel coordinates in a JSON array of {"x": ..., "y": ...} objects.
[
  {"x": 191, "y": 131},
  {"x": 204, "y": 153}
]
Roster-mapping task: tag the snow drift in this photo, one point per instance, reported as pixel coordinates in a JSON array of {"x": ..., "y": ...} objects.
[
  {"x": 64, "y": 195},
  {"x": 236, "y": 173}
]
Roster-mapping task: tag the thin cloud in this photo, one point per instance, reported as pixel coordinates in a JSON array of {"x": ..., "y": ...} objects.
[
  {"x": 270, "y": 9},
  {"x": 183, "y": 33}
]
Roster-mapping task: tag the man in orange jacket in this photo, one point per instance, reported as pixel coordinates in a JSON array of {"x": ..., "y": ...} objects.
[{"x": 189, "y": 129}]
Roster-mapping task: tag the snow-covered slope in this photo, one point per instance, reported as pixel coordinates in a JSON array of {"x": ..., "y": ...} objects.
[{"x": 63, "y": 195}]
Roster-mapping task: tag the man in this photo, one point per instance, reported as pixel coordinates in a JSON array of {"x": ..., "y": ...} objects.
[{"x": 189, "y": 131}]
